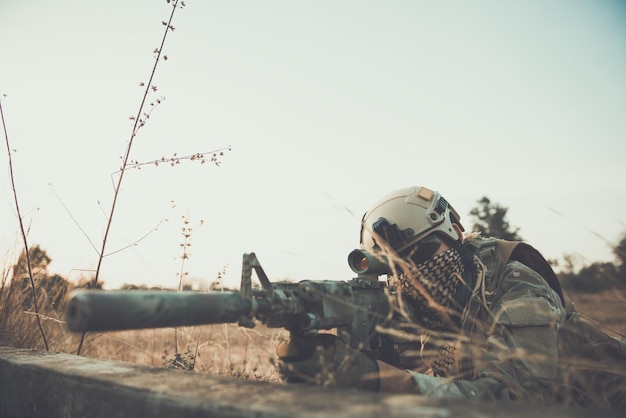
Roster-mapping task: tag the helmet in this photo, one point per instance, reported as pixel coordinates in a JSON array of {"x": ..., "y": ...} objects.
[{"x": 406, "y": 216}]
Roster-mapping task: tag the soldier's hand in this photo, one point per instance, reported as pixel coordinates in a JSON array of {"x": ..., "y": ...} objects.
[{"x": 326, "y": 360}]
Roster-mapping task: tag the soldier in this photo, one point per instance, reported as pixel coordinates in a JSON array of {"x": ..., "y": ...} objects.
[{"x": 472, "y": 318}]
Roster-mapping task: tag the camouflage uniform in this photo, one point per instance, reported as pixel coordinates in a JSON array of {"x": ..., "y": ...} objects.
[
  {"x": 508, "y": 346},
  {"x": 511, "y": 346},
  {"x": 489, "y": 316}
]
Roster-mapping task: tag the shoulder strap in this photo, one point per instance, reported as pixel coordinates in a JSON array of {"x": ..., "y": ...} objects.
[
  {"x": 496, "y": 253},
  {"x": 530, "y": 257},
  {"x": 503, "y": 252}
]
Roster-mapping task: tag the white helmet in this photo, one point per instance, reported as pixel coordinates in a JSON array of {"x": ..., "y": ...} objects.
[{"x": 406, "y": 216}]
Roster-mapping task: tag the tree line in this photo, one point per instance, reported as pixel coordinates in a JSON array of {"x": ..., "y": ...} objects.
[{"x": 490, "y": 219}]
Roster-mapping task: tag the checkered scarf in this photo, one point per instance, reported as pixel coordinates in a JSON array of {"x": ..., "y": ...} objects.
[
  {"x": 437, "y": 296},
  {"x": 431, "y": 289}
]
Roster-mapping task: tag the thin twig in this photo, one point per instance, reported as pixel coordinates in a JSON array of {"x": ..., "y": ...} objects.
[
  {"x": 200, "y": 156},
  {"x": 19, "y": 217},
  {"x": 72, "y": 218},
  {"x": 138, "y": 123}
]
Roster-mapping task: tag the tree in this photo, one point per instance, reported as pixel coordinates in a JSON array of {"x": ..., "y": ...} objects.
[
  {"x": 490, "y": 221},
  {"x": 620, "y": 253},
  {"x": 50, "y": 289},
  {"x": 39, "y": 261},
  {"x": 594, "y": 278}
]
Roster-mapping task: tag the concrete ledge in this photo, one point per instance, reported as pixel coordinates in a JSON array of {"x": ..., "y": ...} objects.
[{"x": 40, "y": 384}]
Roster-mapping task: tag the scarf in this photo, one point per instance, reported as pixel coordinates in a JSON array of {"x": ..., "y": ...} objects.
[
  {"x": 437, "y": 292},
  {"x": 431, "y": 288}
]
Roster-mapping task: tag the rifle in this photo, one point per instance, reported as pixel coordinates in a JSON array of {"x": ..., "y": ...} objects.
[{"x": 354, "y": 307}]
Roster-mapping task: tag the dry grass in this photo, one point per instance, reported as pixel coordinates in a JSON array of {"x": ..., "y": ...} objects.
[
  {"x": 607, "y": 308},
  {"x": 224, "y": 349}
]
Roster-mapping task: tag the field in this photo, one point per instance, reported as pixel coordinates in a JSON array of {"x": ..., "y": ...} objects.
[
  {"x": 607, "y": 308},
  {"x": 236, "y": 351},
  {"x": 225, "y": 349}
]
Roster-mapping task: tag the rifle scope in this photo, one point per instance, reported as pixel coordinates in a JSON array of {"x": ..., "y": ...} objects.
[{"x": 362, "y": 262}]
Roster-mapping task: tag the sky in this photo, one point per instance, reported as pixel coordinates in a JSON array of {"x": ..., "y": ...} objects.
[{"x": 321, "y": 107}]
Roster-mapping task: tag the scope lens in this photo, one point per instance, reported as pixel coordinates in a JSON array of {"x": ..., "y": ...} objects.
[{"x": 362, "y": 264}]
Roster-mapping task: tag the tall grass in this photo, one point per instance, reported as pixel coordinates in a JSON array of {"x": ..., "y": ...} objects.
[
  {"x": 26, "y": 314},
  {"x": 224, "y": 349}
]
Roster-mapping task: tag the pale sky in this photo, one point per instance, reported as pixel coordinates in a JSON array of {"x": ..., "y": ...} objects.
[{"x": 327, "y": 105}]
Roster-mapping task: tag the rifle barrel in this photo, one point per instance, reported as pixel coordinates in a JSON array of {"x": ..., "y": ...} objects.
[{"x": 111, "y": 310}]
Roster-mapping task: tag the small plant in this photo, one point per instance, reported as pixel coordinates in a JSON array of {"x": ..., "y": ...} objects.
[
  {"x": 185, "y": 361},
  {"x": 138, "y": 122},
  {"x": 186, "y": 232}
]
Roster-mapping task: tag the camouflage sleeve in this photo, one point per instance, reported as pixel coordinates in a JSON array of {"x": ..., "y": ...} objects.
[{"x": 514, "y": 352}]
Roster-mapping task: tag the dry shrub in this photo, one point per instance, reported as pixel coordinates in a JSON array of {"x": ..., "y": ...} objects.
[{"x": 17, "y": 318}]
